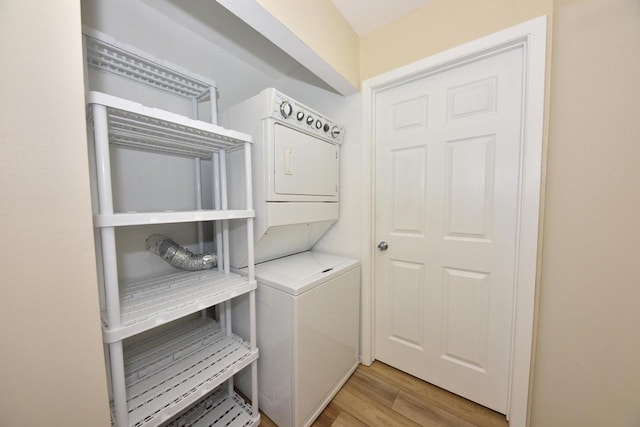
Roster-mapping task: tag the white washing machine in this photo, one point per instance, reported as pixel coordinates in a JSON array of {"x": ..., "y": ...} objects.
[{"x": 308, "y": 308}]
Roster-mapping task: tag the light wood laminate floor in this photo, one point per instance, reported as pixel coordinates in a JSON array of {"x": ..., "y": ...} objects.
[{"x": 379, "y": 395}]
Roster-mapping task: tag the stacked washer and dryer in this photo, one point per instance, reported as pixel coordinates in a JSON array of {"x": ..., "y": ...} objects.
[{"x": 308, "y": 302}]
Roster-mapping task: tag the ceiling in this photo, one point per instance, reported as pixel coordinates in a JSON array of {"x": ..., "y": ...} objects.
[{"x": 366, "y": 16}]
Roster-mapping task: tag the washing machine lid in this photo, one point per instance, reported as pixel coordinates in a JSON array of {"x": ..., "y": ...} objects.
[{"x": 299, "y": 273}]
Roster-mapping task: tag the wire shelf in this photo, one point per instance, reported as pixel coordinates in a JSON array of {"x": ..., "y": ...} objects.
[
  {"x": 167, "y": 374},
  {"x": 152, "y": 301},
  {"x": 169, "y": 217},
  {"x": 106, "y": 54},
  {"x": 219, "y": 410},
  {"x": 133, "y": 125}
]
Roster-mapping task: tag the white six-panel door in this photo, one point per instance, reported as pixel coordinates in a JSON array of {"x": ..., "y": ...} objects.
[{"x": 448, "y": 162}]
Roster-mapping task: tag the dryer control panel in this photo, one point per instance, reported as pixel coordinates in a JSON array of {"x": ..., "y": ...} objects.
[{"x": 302, "y": 117}]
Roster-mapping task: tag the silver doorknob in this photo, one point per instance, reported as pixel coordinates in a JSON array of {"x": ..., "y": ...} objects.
[{"x": 383, "y": 246}]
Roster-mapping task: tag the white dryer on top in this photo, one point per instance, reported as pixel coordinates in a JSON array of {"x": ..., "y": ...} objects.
[{"x": 296, "y": 159}]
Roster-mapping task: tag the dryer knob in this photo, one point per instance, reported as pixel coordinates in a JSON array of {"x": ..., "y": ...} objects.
[
  {"x": 300, "y": 116},
  {"x": 309, "y": 120},
  {"x": 326, "y": 127},
  {"x": 286, "y": 109},
  {"x": 335, "y": 132},
  {"x": 318, "y": 124}
]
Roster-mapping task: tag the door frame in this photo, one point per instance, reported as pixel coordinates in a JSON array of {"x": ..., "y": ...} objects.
[{"x": 531, "y": 36}]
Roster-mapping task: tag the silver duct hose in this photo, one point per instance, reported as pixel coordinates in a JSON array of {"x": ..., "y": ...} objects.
[{"x": 178, "y": 256}]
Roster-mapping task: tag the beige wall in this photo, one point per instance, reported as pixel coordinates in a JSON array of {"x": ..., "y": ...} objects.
[
  {"x": 51, "y": 364},
  {"x": 438, "y": 26},
  {"x": 319, "y": 24},
  {"x": 587, "y": 370}
]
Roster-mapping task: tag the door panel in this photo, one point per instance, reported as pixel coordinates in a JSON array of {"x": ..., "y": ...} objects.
[
  {"x": 472, "y": 99},
  {"x": 469, "y": 167},
  {"x": 408, "y": 175},
  {"x": 447, "y": 178},
  {"x": 466, "y": 317},
  {"x": 408, "y": 303},
  {"x": 410, "y": 113}
]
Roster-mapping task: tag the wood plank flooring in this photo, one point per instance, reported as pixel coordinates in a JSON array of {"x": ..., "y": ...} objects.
[{"x": 379, "y": 395}]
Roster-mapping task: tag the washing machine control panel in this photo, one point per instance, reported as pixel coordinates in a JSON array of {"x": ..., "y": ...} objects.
[{"x": 300, "y": 116}]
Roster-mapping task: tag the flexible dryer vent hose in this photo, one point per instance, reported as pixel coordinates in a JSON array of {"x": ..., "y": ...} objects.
[{"x": 178, "y": 256}]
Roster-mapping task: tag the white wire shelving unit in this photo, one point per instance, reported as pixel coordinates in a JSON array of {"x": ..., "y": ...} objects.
[{"x": 184, "y": 375}]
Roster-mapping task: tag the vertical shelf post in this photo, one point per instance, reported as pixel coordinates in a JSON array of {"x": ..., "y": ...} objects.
[
  {"x": 250, "y": 263},
  {"x": 109, "y": 260},
  {"x": 105, "y": 201},
  {"x": 249, "y": 206},
  {"x": 217, "y": 206},
  {"x": 214, "y": 105},
  {"x": 194, "y": 108},
  {"x": 198, "y": 179},
  {"x": 200, "y": 225},
  {"x": 225, "y": 230},
  {"x": 118, "y": 384},
  {"x": 223, "y": 199},
  {"x": 225, "y": 247},
  {"x": 215, "y": 165}
]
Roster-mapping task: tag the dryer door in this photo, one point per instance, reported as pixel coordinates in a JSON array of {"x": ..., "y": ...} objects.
[{"x": 305, "y": 167}]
